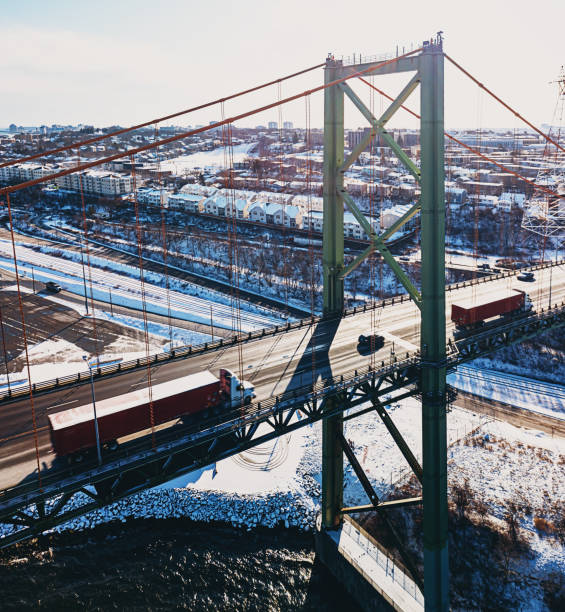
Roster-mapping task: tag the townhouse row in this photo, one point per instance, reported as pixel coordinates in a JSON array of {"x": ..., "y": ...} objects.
[{"x": 269, "y": 208}]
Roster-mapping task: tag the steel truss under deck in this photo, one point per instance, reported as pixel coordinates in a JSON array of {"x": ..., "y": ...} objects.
[{"x": 137, "y": 466}]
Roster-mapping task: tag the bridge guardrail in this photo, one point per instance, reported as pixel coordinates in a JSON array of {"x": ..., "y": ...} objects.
[
  {"x": 379, "y": 554},
  {"x": 505, "y": 274},
  {"x": 188, "y": 351}
]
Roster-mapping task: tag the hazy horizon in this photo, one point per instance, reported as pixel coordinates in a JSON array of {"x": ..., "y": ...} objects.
[{"x": 111, "y": 63}]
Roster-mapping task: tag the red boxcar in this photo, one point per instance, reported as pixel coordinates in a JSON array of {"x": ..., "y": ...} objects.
[
  {"x": 73, "y": 430},
  {"x": 473, "y": 311}
]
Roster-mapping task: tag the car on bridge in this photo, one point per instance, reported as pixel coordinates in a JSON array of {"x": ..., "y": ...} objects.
[
  {"x": 53, "y": 287},
  {"x": 527, "y": 277},
  {"x": 373, "y": 342}
]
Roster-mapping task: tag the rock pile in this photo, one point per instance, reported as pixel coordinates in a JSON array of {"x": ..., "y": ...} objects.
[{"x": 290, "y": 509}]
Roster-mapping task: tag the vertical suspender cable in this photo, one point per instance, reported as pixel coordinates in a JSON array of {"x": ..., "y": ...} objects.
[
  {"x": 87, "y": 249},
  {"x": 24, "y": 334},
  {"x": 313, "y": 275},
  {"x": 283, "y": 202},
  {"x": 236, "y": 257},
  {"x": 2, "y": 329},
  {"x": 143, "y": 299},
  {"x": 164, "y": 239},
  {"x": 372, "y": 258},
  {"x": 232, "y": 240}
]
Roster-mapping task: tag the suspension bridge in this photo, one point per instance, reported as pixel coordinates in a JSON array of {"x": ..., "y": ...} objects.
[{"x": 311, "y": 366}]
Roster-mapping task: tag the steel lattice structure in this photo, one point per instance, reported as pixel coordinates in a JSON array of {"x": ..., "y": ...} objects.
[
  {"x": 427, "y": 67},
  {"x": 545, "y": 214}
]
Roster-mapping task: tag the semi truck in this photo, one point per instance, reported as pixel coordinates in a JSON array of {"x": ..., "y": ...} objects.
[
  {"x": 73, "y": 430},
  {"x": 471, "y": 313}
]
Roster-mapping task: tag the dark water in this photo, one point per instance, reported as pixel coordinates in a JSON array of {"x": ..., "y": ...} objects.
[{"x": 168, "y": 565}]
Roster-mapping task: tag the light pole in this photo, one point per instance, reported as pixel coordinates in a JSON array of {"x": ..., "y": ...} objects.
[{"x": 94, "y": 409}]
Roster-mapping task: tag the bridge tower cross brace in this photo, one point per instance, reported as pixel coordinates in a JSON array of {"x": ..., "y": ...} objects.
[{"x": 428, "y": 69}]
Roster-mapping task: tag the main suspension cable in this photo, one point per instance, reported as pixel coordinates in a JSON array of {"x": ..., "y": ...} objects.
[
  {"x": 507, "y": 106},
  {"x": 183, "y": 135},
  {"x": 466, "y": 146}
]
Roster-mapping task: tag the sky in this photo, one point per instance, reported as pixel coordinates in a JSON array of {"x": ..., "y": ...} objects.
[{"x": 127, "y": 61}]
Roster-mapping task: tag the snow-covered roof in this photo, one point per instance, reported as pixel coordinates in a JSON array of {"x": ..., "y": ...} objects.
[
  {"x": 185, "y": 197},
  {"x": 516, "y": 198},
  {"x": 292, "y": 211},
  {"x": 272, "y": 209},
  {"x": 255, "y": 205},
  {"x": 350, "y": 218}
]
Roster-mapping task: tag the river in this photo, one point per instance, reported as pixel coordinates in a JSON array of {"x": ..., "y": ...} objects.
[{"x": 168, "y": 565}]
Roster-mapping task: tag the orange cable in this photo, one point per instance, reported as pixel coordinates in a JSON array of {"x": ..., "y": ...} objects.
[
  {"x": 199, "y": 130},
  {"x": 547, "y": 137},
  {"x": 469, "y": 148}
]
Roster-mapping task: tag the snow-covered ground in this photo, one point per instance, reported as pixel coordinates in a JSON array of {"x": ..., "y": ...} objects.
[
  {"x": 60, "y": 358},
  {"x": 522, "y": 472},
  {"x": 213, "y": 160},
  {"x": 527, "y": 393},
  {"x": 287, "y": 473},
  {"x": 187, "y": 301}
]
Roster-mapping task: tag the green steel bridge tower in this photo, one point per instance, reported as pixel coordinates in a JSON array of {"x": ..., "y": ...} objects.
[{"x": 427, "y": 69}]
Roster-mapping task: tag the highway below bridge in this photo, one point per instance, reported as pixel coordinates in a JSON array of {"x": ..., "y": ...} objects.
[{"x": 276, "y": 364}]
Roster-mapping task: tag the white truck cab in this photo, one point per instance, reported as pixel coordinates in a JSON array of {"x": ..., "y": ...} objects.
[{"x": 235, "y": 391}]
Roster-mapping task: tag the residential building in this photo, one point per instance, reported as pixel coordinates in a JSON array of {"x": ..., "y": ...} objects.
[
  {"x": 257, "y": 212},
  {"x": 97, "y": 182}
]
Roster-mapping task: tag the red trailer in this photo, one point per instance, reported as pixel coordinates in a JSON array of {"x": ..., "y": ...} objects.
[
  {"x": 73, "y": 430},
  {"x": 474, "y": 311}
]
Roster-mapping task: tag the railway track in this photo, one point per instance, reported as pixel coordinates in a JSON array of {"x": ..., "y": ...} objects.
[
  {"x": 204, "y": 281},
  {"x": 127, "y": 287}
]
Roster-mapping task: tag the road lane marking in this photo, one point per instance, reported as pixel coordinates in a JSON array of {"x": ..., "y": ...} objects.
[{"x": 63, "y": 404}]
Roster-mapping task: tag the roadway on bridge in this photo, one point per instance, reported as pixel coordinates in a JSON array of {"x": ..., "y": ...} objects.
[{"x": 274, "y": 364}]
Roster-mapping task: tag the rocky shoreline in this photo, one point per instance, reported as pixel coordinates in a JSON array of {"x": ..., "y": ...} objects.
[{"x": 291, "y": 509}]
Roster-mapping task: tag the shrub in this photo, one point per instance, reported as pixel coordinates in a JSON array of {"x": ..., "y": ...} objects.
[{"x": 543, "y": 525}]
